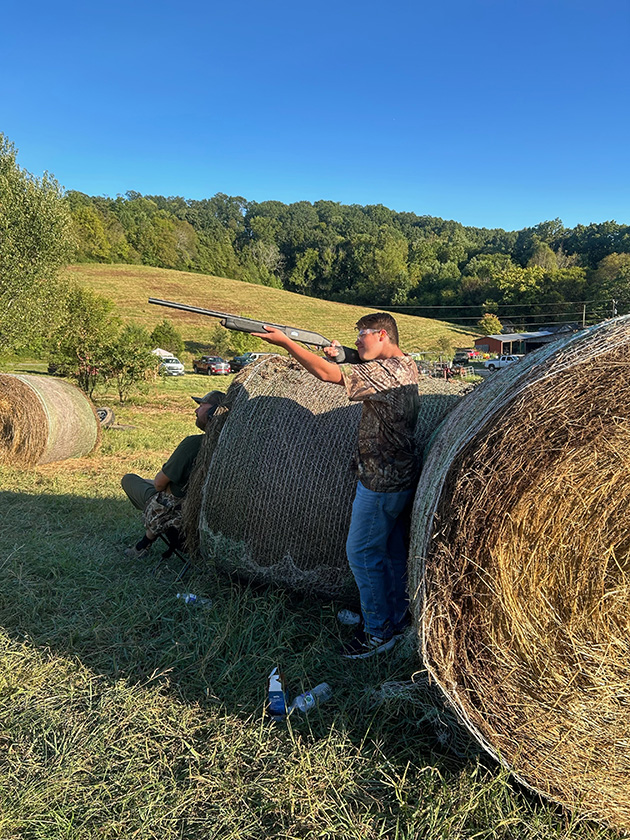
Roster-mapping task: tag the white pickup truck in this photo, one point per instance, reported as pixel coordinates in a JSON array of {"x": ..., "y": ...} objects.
[{"x": 501, "y": 361}]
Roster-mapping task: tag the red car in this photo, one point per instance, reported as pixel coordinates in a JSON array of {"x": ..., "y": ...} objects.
[{"x": 211, "y": 365}]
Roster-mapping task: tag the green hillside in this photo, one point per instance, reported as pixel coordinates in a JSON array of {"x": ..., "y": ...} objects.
[{"x": 131, "y": 286}]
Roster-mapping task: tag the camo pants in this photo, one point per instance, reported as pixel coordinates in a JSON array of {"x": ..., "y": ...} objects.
[{"x": 162, "y": 511}]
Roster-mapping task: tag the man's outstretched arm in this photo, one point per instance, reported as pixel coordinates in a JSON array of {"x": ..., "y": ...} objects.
[{"x": 313, "y": 363}]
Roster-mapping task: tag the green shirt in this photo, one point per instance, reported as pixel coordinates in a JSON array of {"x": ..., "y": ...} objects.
[{"x": 179, "y": 466}]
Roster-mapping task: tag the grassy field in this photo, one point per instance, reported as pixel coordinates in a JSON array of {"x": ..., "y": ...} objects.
[
  {"x": 130, "y": 286},
  {"x": 126, "y": 714}
]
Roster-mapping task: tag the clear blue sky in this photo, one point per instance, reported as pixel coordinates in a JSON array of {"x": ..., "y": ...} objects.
[{"x": 495, "y": 113}]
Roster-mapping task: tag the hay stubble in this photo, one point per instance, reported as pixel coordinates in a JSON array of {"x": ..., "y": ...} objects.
[{"x": 526, "y": 585}]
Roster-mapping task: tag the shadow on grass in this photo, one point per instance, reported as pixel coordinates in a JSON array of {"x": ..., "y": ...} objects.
[
  {"x": 34, "y": 372},
  {"x": 66, "y": 586},
  {"x": 198, "y": 348}
]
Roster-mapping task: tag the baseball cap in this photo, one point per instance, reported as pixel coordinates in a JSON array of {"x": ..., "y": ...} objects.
[{"x": 212, "y": 397}]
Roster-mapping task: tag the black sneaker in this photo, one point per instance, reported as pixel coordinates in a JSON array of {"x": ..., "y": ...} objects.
[{"x": 364, "y": 645}]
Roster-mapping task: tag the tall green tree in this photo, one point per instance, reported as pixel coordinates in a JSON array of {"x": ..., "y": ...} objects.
[
  {"x": 379, "y": 264},
  {"x": 89, "y": 228},
  {"x": 168, "y": 337},
  {"x": 489, "y": 324},
  {"x": 129, "y": 360},
  {"x": 304, "y": 274},
  {"x": 79, "y": 344},
  {"x": 611, "y": 280},
  {"x": 543, "y": 256},
  {"x": 521, "y": 285},
  {"x": 35, "y": 242}
]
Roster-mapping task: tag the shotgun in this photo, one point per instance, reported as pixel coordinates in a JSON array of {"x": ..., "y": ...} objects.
[{"x": 248, "y": 325}]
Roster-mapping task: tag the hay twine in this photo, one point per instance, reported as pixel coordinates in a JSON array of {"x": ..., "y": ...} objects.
[
  {"x": 520, "y": 569},
  {"x": 44, "y": 420},
  {"x": 271, "y": 495}
]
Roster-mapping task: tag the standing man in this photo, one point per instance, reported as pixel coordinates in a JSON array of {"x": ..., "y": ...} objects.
[
  {"x": 160, "y": 499},
  {"x": 385, "y": 381}
]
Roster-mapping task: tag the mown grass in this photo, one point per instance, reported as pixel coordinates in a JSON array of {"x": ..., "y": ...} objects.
[
  {"x": 126, "y": 714},
  {"x": 130, "y": 286}
]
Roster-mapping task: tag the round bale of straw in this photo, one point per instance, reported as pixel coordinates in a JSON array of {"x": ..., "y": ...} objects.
[
  {"x": 44, "y": 420},
  {"x": 520, "y": 568},
  {"x": 272, "y": 493}
]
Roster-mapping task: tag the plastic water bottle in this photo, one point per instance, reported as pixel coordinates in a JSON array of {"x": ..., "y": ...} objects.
[
  {"x": 278, "y": 696},
  {"x": 315, "y": 697},
  {"x": 190, "y": 598}
]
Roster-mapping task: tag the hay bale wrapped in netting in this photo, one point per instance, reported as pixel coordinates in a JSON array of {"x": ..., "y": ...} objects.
[
  {"x": 44, "y": 420},
  {"x": 520, "y": 568},
  {"x": 272, "y": 492}
]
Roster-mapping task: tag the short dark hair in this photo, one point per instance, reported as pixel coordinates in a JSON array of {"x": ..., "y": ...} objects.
[{"x": 380, "y": 321}]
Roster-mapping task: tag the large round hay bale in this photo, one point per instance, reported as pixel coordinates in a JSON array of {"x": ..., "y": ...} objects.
[
  {"x": 272, "y": 494},
  {"x": 520, "y": 568},
  {"x": 43, "y": 420}
]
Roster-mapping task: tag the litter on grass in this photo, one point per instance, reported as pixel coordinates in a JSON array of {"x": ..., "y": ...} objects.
[{"x": 190, "y": 599}]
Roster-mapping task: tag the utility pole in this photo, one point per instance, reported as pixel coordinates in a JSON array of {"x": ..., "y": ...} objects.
[
  {"x": 614, "y": 308},
  {"x": 584, "y": 316}
]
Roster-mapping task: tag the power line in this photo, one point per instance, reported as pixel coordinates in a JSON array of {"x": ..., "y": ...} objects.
[
  {"x": 481, "y": 305},
  {"x": 577, "y": 314},
  {"x": 577, "y": 317},
  {"x": 542, "y": 324}
]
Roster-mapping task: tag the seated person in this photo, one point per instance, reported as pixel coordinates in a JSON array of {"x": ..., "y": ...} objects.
[{"x": 161, "y": 499}]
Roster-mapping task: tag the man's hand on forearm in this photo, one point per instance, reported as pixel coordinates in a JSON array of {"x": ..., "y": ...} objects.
[{"x": 161, "y": 481}]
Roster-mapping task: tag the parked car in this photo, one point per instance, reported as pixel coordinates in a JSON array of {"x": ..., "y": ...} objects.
[
  {"x": 211, "y": 365},
  {"x": 171, "y": 366},
  {"x": 501, "y": 361},
  {"x": 239, "y": 362},
  {"x": 464, "y": 355}
]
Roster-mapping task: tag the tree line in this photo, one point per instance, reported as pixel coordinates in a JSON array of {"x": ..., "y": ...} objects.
[{"x": 369, "y": 255}]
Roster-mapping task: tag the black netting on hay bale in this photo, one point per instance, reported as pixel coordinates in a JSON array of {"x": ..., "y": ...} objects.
[
  {"x": 44, "y": 420},
  {"x": 272, "y": 493},
  {"x": 520, "y": 569}
]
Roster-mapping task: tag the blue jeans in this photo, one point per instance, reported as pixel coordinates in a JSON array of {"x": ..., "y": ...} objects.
[{"x": 377, "y": 554}]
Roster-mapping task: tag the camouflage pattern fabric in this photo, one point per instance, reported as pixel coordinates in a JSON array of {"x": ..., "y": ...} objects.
[
  {"x": 163, "y": 511},
  {"x": 386, "y": 459}
]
